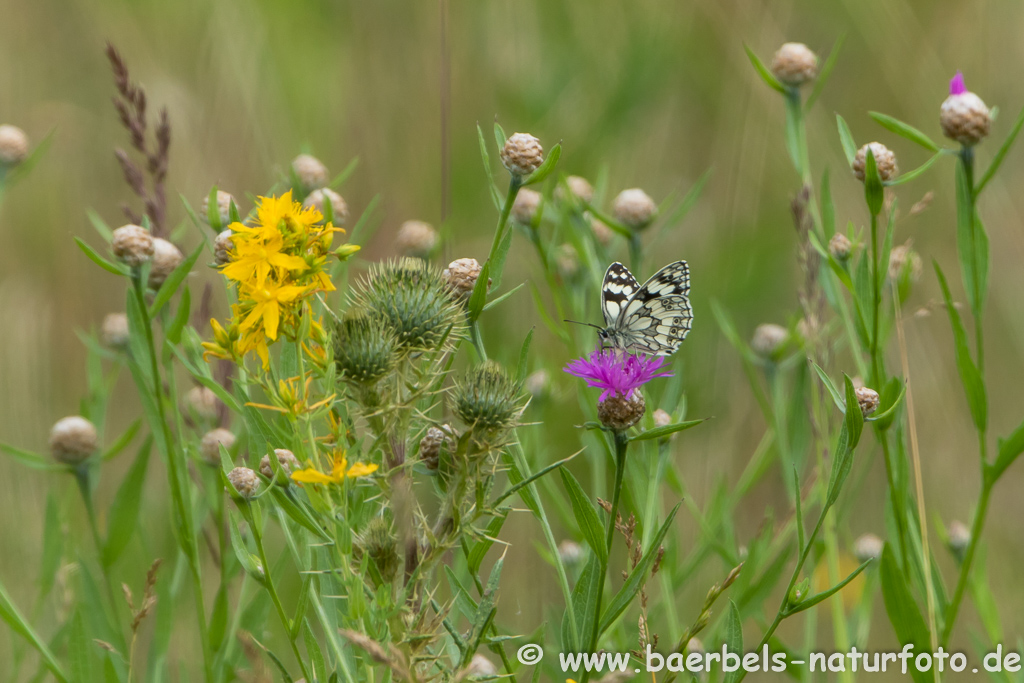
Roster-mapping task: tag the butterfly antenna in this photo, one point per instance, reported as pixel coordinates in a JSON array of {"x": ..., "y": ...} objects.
[{"x": 577, "y": 322}]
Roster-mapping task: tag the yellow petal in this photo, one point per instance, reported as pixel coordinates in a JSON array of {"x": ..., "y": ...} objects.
[
  {"x": 361, "y": 470},
  {"x": 311, "y": 476}
]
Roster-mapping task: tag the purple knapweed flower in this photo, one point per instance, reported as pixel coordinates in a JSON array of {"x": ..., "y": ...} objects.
[
  {"x": 616, "y": 371},
  {"x": 956, "y": 85}
]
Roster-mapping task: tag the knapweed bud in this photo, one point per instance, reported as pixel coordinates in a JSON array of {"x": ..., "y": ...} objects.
[
  {"x": 222, "y": 247},
  {"x": 310, "y": 172},
  {"x": 794, "y": 64},
  {"x": 695, "y": 645},
  {"x": 634, "y": 209},
  {"x": 885, "y": 161},
  {"x": 285, "y": 458},
  {"x": 364, "y": 347},
  {"x": 132, "y": 244},
  {"x": 522, "y": 154},
  {"x": 567, "y": 261},
  {"x": 481, "y": 666},
  {"x": 538, "y": 384},
  {"x": 602, "y": 233},
  {"x": 245, "y": 482},
  {"x": 524, "y": 208},
  {"x": 661, "y": 418},
  {"x": 318, "y": 199},
  {"x": 487, "y": 398},
  {"x": 868, "y": 547},
  {"x": 166, "y": 257},
  {"x": 867, "y": 399},
  {"x": 73, "y": 439},
  {"x": 203, "y": 402},
  {"x": 903, "y": 259},
  {"x": 769, "y": 340},
  {"x": 114, "y": 331},
  {"x": 431, "y": 444},
  {"x": 416, "y": 238},
  {"x": 380, "y": 545},
  {"x": 959, "y": 539},
  {"x": 209, "y": 445},
  {"x": 461, "y": 276},
  {"x": 224, "y": 200},
  {"x": 620, "y": 413},
  {"x": 840, "y": 247},
  {"x": 964, "y": 116},
  {"x": 570, "y": 552},
  {"x": 579, "y": 189},
  {"x": 13, "y": 145}
]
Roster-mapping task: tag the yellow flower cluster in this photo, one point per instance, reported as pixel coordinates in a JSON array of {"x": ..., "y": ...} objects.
[
  {"x": 340, "y": 471},
  {"x": 277, "y": 264}
]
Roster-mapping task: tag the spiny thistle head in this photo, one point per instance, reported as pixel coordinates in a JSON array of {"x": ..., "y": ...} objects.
[
  {"x": 114, "y": 331},
  {"x": 794, "y": 64},
  {"x": 416, "y": 238},
  {"x": 413, "y": 298},
  {"x": 522, "y": 154},
  {"x": 13, "y": 145},
  {"x": 224, "y": 201},
  {"x": 285, "y": 458},
  {"x": 487, "y": 398},
  {"x": 379, "y": 543},
  {"x": 73, "y": 439},
  {"x": 209, "y": 445},
  {"x": 132, "y": 244},
  {"x": 885, "y": 161},
  {"x": 964, "y": 116},
  {"x": 310, "y": 172},
  {"x": 634, "y": 208},
  {"x": 245, "y": 482},
  {"x": 166, "y": 257},
  {"x": 364, "y": 346},
  {"x": 524, "y": 208},
  {"x": 318, "y": 199}
]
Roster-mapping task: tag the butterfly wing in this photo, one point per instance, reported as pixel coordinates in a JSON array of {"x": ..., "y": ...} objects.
[
  {"x": 658, "y": 316},
  {"x": 619, "y": 285}
]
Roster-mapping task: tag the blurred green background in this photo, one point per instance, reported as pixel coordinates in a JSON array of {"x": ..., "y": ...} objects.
[{"x": 656, "y": 91}]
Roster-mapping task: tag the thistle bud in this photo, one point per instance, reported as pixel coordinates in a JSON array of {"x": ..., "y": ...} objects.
[
  {"x": 431, "y": 444},
  {"x": 166, "y": 257},
  {"x": 662, "y": 418},
  {"x": 959, "y": 539},
  {"x": 132, "y": 244},
  {"x": 245, "y": 482},
  {"x": 524, "y": 208},
  {"x": 13, "y": 145},
  {"x": 867, "y": 399},
  {"x": 794, "y": 64},
  {"x": 318, "y": 199},
  {"x": 868, "y": 547},
  {"x": 634, "y": 209},
  {"x": 579, "y": 189},
  {"x": 488, "y": 399},
  {"x": 364, "y": 347},
  {"x": 522, "y": 154},
  {"x": 285, "y": 458},
  {"x": 114, "y": 331},
  {"x": 964, "y": 116},
  {"x": 620, "y": 413},
  {"x": 209, "y": 445},
  {"x": 224, "y": 200},
  {"x": 73, "y": 439},
  {"x": 222, "y": 247},
  {"x": 481, "y": 666},
  {"x": 885, "y": 161},
  {"x": 570, "y": 552},
  {"x": 203, "y": 402},
  {"x": 416, "y": 238},
  {"x": 461, "y": 276},
  {"x": 310, "y": 172},
  {"x": 840, "y": 247},
  {"x": 379, "y": 544},
  {"x": 769, "y": 340}
]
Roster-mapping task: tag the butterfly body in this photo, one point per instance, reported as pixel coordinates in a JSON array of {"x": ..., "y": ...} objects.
[{"x": 653, "y": 318}]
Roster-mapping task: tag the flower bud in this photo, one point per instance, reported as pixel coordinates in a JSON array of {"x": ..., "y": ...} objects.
[
  {"x": 794, "y": 64},
  {"x": 318, "y": 199},
  {"x": 522, "y": 154},
  {"x": 602, "y": 233},
  {"x": 481, "y": 666},
  {"x": 416, "y": 238},
  {"x": 799, "y": 591},
  {"x": 867, "y": 399},
  {"x": 538, "y": 384},
  {"x": 222, "y": 247},
  {"x": 840, "y": 247},
  {"x": 73, "y": 439},
  {"x": 959, "y": 539},
  {"x": 769, "y": 340},
  {"x": 132, "y": 244},
  {"x": 13, "y": 145},
  {"x": 364, "y": 347},
  {"x": 224, "y": 200},
  {"x": 487, "y": 398},
  {"x": 461, "y": 275},
  {"x": 166, "y": 257},
  {"x": 868, "y": 547},
  {"x": 695, "y": 645},
  {"x": 634, "y": 209},
  {"x": 579, "y": 188},
  {"x": 903, "y": 259},
  {"x": 570, "y": 552},
  {"x": 964, "y": 116},
  {"x": 567, "y": 261},
  {"x": 661, "y": 418},
  {"x": 431, "y": 444},
  {"x": 245, "y": 482},
  {"x": 114, "y": 331},
  {"x": 619, "y": 413},
  {"x": 209, "y": 445},
  {"x": 379, "y": 544},
  {"x": 885, "y": 161},
  {"x": 285, "y": 458},
  {"x": 203, "y": 402},
  {"x": 524, "y": 208},
  {"x": 310, "y": 172}
]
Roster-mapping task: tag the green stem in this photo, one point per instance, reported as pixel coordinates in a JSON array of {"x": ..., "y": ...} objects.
[{"x": 82, "y": 477}]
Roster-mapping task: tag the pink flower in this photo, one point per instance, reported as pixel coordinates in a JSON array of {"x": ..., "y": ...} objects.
[
  {"x": 956, "y": 86},
  {"x": 616, "y": 371}
]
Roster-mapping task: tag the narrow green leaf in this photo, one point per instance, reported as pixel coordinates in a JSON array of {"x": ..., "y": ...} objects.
[
  {"x": 1010, "y": 449},
  {"x": 99, "y": 260},
  {"x": 475, "y": 557},
  {"x": 818, "y": 597},
  {"x": 910, "y": 175},
  {"x": 299, "y": 513},
  {"x": 53, "y": 546},
  {"x": 212, "y": 210},
  {"x": 967, "y": 242},
  {"x": 891, "y": 398},
  {"x": 824, "y": 73},
  {"x": 874, "y": 191},
  {"x": 524, "y": 357},
  {"x": 479, "y": 295},
  {"x": 313, "y": 651},
  {"x": 763, "y": 71},
  {"x": 100, "y": 225},
  {"x": 584, "y": 600},
  {"x": 827, "y": 381},
  {"x": 546, "y": 167},
  {"x": 30, "y": 459},
  {"x": 218, "y": 626},
  {"x": 828, "y": 208},
  {"x": 662, "y": 432},
  {"x": 586, "y": 516},
  {"x": 486, "y": 157},
  {"x": 345, "y": 174},
  {"x": 904, "y": 130},
  {"x": 124, "y": 510},
  {"x": 846, "y": 139},
  {"x": 997, "y": 160},
  {"x": 733, "y": 638},
  {"x": 180, "y": 320},
  {"x": 499, "y": 135},
  {"x": 904, "y": 614},
  {"x": 498, "y": 299},
  {"x": 174, "y": 280},
  {"x": 974, "y": 385},
  {"x": 515, "y": 488}
]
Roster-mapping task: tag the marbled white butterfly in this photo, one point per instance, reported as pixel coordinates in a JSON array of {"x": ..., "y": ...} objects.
[{"x": 653, "y": 318}]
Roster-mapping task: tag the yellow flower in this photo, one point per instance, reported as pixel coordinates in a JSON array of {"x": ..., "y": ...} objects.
[
  {"x": 253, "y": 259},
  {"x": 268, "y": 300},
  {"x": 339, "y": 472}
]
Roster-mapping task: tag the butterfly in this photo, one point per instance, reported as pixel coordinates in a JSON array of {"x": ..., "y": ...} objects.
[{"x": 653, "y": 318}]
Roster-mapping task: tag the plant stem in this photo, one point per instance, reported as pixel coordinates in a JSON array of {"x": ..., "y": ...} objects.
[
  {"x": 965, "y": 567},
  {"x": 82, "y": 477}
]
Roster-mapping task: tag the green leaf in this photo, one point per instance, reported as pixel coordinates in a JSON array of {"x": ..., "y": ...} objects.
[
  {"x": 818, "y": 597},
  {"x": 345, "y": 174},
  {"x": 53, "y": 546},
  {"x": 734, "y": 638},
  {"x": 299, "y": 512},
  {"x": 903, "y": 612},
  {"x": 498, "y": 299},
  {"x": 846, "y": 139},
  {"x": 212, "y": 210},
  {"x": 828, "y": 208},
  {"x": 1010, "y": 449},
  {"x": 874, "y": 191},
  {"x": 890, "y": 400},
  {"x": 518, "y": 485},
  {"x": 586, "y": 516},
  {"x": 827, "y": 381},
  {"x": 218, "y": 619},
  {"x": 763, "y": 71},
  {"x": 524, "y": 357},
  {"x": 124, "y": 510},
  {"x": 30, "y": 459},
  {"x": 546, "y": 167},
  {"x": 479, "y": 295},
  {"x": 313, "y": 651},
  {"x": 824, "y": 73},
  {"x": 904, "y": 130},
  {"x": 584, "y": 600},
  {"x": 495, "y": 195},
  {"x": 910, "y": 175},
  {"x": 997, "y": 160},
  {"x": 849, "y": 436},
  {"x": 242, "y": 553},
  {"x": 973, "y": 383},
  {"x": 972, "y": 250},
  {"x": 662, "y": 432},
  {"x": 475, "y": 557},
  {"x": 99, "y": 260},
  {"x": 499, "y": 135},
  {"x": 173, "y": 281},
  {"x": 180, "y": 320},
  {"x": 101, "y": 226}
]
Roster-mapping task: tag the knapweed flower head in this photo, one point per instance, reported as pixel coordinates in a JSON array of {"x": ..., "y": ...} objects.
[
  {"x": 964, "y": 116},
  {"x": 616, "y": 372},
  {"x": 885, "y": 161},
  {"x": 340, "y": 471},
  {"x": 73, "y": 439},
  {"x": 794, "y": 64}
]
